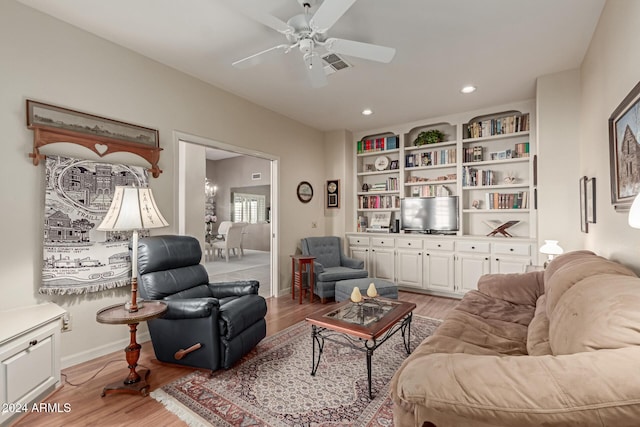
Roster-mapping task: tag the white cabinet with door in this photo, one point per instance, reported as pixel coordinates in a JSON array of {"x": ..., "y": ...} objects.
[
  {"x": 382, "y": 258},
  {"x": 510, "y": 257},
  {"x": 359, "y": 249},
  {"x": 472, "y": 261},
  {"x": 409, "y": 262},
  {"x": 439, "y": 265}
]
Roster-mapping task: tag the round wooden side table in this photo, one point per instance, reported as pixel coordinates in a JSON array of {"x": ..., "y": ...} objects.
[{"x": 119, "y": 315}]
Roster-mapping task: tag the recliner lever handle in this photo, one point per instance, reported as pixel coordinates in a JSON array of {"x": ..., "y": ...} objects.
[{"x": 182, "y": 352}]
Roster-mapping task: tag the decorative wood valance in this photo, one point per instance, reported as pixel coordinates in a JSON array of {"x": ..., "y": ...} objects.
[
  {"x": 102, "y": 146},
  {"x": 101, "y": 135}
]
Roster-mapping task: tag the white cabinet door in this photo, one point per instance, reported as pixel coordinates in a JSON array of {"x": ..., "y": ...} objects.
[
  {"x": 409, "y": 268},
  {"x": 502, "y": 264},
  {"x": 439, "y": 271},
  {"x": 469, "y": 268},
  {"x": 383, "y": 263},
  {"x": 361, "y": 253}
]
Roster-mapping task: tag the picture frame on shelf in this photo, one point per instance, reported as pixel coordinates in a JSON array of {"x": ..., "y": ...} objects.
[
  {"x": 393, "y": 165},
  {"x": 333, "y": 194},
  {"x": 591, "y": 200},
  {"x": 623, "y": 141},
  {"x": 584, "y": 225}
]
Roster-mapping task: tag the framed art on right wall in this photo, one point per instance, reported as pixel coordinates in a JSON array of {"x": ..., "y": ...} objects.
[
  {"x": 624, "y": 151},
  {"x": 584, "y": 223}
]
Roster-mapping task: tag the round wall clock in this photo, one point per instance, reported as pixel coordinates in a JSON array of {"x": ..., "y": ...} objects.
[
  {"x": 305, "y": 192},
  {"x": 381, "y": 163}
]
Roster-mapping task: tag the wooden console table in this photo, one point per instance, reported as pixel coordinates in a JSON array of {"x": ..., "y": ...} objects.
[{"x": 119, "y": 315}]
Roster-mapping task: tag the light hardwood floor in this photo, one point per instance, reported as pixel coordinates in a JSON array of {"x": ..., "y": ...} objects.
[{"x": 87, "y": 408}]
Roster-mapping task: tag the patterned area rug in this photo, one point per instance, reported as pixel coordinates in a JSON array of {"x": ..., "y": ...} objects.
[{"x": 272, "y": 385}]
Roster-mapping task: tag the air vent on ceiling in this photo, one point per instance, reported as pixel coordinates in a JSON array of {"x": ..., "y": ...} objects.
[{"x": 334, "y": 63}]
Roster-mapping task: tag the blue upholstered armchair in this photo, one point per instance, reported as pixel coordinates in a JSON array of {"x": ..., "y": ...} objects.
[{"x": 331, "y": 264}]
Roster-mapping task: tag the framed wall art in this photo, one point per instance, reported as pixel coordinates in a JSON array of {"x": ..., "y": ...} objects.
[
  {"x": 333, "y": 193},
  {"x": 591, "y": 200},
  {"x": 624, "y": 151},
  {"x": 584, "y": 225},
  {"x": 304, "y": 192}
]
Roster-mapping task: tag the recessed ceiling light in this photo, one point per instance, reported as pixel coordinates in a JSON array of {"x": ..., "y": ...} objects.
[
  {"x": 468, "y": 89},
  {"x": 367, "y": 112}
]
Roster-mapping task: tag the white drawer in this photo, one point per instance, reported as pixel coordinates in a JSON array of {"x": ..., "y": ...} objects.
[
  {"x": 382, "y": 242},
  {"x": 479, "y": 247},
  {"x": 512, "y": 249},
  {"x": 358, "y": 241},
  {"x": 439, "y": 245},
  {"x": 410, "y": 243}
]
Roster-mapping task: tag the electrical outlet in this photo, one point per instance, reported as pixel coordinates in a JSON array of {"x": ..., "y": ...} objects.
[
  {"x": 314, "y": 224},
  {"x": 66, "y": 322}
]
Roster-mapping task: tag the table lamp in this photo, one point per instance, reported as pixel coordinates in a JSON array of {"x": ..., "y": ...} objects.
[
  {"x": 634, "y": 213},
  {"x": 132, "y": 209},
  {"x": 550, "y": 248}
]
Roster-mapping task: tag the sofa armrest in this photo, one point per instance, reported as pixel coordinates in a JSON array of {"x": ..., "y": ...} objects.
[
  {"x": 190, "y": 308},
  {"x": 240, "y": 313},
  {"x": 317, "y": 268},
  {"x": 232, "y": 289},
  {"x": 352, "y": 263},
  {"x": 517, "y": 288},
  {"x": 586, "y": 389}
]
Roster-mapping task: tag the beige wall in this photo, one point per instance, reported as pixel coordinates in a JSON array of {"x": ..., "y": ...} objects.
[
  {"x": 558, "y": 111},
  {"x": 44, "y": 59},
  {"x": 611, "y": 68}
]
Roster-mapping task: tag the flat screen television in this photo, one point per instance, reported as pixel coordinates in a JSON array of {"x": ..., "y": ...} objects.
[{"x": 429, "y": 214}]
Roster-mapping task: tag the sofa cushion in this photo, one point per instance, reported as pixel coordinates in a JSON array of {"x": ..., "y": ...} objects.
[
  {"x": 574, "y": 271},
  {"x": 599, "y": 312},
  {"x": 538, "y": 331}
]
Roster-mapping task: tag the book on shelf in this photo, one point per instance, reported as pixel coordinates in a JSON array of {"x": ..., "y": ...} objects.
[
  {"x": 378, "y": 202},
  {"x": 431, "y": 158},
  {"x": 498, "y": 126},
  {"x": 377, "y": 144},
  {"x": 519, "y": 200},
  {"x": 472, "y": 177}
]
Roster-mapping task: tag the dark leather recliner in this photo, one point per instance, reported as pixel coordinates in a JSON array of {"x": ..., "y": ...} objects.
[{"x": 207, "y": 325}]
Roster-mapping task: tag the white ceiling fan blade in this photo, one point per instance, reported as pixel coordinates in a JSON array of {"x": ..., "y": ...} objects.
[
  {"x": 315, "y": 69},
  {"x": 257, "y": 58},
  {"x": 368, "y": 51},
  {"x": 262, "y": 17},
  {"x": 328, "y": 13}
]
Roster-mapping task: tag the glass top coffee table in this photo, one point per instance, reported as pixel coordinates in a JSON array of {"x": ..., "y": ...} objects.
[{"x": 364, "y": 326}]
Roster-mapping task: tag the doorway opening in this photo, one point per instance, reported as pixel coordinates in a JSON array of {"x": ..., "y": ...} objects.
[{"x": 219, "y": 185}]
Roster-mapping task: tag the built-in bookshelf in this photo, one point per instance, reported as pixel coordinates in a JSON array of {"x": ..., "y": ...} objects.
[{"x": 485, "y": 158}]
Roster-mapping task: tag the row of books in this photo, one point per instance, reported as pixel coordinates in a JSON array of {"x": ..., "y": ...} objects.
[
  {"x": 518, "y": 200},
  {"x": 500, "y": 126},
  {"x": 477, "y": 153},
  {"x": 431, "y": 158},
  {"x": 472, "y": 177},
  {"x": 378, "y": 202},
  {"x": 378, "y": 144},
  {"x": 430, "y": 190},
  {"x": 391, "y": 184}
]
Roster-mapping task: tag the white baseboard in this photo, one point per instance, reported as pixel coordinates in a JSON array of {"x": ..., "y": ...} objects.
[{"x": 111, "y": 347}]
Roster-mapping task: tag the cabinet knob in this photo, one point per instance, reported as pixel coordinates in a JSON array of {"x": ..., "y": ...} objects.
[
  {"x": 497, "y": 259},
  {"x": 473, "y": 247},
  {"x": 486, "y": 259},
  {"x": 439, "y": 245},
  {"x": 409, "y": 244},
  {"x": 511, "y": 249},
  {"x": 32, "y": 343}
]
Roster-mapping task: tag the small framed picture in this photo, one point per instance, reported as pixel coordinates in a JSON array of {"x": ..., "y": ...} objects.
[
  {"x": 591, "y": 200},
  {"x": 333, "y": 193},
  {"x": 584, "y": 223},
  {"x": 394, "y": 164}
]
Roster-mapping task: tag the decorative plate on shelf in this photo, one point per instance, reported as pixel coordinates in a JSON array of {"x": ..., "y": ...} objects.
[{"x": 381, "y": 163}]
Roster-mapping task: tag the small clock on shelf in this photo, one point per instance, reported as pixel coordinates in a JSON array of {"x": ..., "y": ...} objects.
[
  {"x": 333, "y": 193},
  {"x": 382, "y": 163}
]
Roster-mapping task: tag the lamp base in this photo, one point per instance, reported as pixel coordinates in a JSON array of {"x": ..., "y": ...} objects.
[{"x": 139, "y": 303}]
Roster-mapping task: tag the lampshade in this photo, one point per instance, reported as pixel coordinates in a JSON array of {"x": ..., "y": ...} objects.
[
  {"x": 132, "y": 208},
  {"x": 634, "y": 213},
  {"x": 551, "y": 247}
]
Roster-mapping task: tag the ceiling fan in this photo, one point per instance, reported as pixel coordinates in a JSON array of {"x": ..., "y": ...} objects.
[{"x": 308, "y": 33}]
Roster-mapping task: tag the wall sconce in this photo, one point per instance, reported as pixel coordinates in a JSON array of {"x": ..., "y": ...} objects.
[{"x": 551, "y": 249}]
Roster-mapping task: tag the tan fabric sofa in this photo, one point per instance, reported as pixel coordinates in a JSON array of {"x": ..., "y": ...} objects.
[{"x": 559, "y": 347}]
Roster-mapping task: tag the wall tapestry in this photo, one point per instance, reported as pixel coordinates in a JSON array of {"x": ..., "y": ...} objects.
[{"x": 78, "y": 258}]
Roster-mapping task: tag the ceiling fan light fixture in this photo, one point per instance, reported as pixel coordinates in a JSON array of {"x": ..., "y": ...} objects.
[
  {"x": 468, "y": 89},
  {"x": 367, "y": 112}
]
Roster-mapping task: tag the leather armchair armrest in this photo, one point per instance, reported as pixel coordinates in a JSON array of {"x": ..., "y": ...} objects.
[
  {"x": 352, "y": 263},
  {"x": 191, "y": 308},
  {"x": 232, "y": 289}
]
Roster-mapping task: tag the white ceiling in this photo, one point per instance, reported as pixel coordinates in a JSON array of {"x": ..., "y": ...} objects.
[{"x": 500, "y": 46}]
